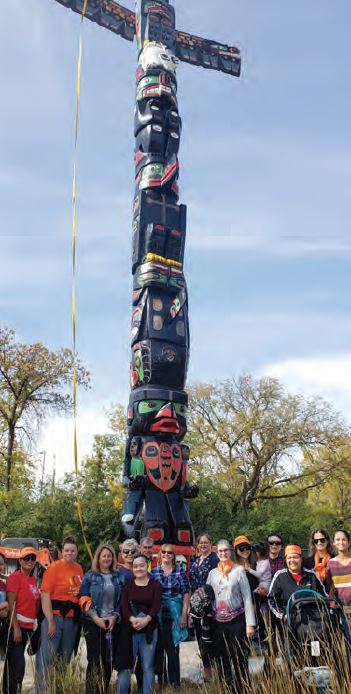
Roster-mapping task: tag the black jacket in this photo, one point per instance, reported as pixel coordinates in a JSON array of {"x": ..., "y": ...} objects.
[{"x": 284, "y": 585}]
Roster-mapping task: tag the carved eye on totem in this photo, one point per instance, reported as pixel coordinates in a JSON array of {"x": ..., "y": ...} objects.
[
  {"x": 180, "y": 409},
  {"x": 146, "y": 406}
]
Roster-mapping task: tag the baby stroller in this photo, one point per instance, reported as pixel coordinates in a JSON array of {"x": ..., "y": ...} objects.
[{"x": 314, "y": 639}]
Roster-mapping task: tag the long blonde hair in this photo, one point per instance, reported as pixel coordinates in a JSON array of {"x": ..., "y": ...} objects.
[{"x": 95, "y": 566}]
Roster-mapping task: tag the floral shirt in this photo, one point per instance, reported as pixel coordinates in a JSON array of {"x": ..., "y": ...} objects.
[{"x": 199, "y": 571}]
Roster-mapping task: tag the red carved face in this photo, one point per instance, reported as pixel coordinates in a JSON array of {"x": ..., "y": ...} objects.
[{"x": 163, "y": 463}]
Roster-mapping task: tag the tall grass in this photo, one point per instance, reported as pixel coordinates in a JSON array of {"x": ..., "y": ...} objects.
[{"x": 268, "y": 675}]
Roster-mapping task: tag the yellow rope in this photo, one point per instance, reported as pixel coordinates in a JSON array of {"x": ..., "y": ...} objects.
[{"x": 74, "y": 261}]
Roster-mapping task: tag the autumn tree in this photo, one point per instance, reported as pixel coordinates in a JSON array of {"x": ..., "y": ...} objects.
[
  {"x": 34, "y": 382},
  {"x": 332, "y": 502},
  {"x": 262, "y": 443}
]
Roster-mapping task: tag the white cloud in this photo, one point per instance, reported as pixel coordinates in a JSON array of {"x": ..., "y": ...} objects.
[
  {"x": 56, "y": 439},
  {"x": 327, "y": 376}
]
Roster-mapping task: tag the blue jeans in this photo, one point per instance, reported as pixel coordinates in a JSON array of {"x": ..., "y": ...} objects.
[
  {"x": 60, "y": 646},
  {"x": 146, "y": 653}
]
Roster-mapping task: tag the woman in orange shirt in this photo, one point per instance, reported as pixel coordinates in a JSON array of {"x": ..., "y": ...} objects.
[
  {"x": 24, "y": 600},
  {"x": 59, "y": 601}
]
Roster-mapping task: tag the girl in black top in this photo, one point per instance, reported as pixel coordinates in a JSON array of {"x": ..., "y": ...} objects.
[{"x": 141, "y": 601}]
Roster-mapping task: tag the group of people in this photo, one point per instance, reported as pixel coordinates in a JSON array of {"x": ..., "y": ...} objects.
[{"x": 134, "y": 614}]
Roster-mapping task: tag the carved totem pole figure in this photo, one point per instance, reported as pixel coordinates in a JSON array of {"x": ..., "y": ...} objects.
[{"x": 155, "y": 469}]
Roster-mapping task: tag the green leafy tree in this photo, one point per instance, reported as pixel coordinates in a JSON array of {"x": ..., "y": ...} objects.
[
  {"x": 260, "y": 442},
  {"x": 99, "y": 488},
  {"x": 34, "y": 382}
]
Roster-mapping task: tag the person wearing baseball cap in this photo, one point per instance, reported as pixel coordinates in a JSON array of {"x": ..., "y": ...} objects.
[
  {"x": 24, "y": 601},
  {"x": 290, "y": 579}
]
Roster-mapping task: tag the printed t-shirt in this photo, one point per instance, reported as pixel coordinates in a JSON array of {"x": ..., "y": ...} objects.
[
  {"x": 62, "y": 581},
  {"x": 27, "y": 597},
  {"x": 340, "y": 575}
]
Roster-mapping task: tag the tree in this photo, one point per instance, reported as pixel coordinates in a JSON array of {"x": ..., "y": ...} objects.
[
  {"x": 262, "y": 443},
  {"x": 331, "y": 502},
  {"x": 33, "y": 383}
]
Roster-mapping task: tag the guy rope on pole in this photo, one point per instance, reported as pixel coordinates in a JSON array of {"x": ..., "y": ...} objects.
[{"x": 74, "y": 266}]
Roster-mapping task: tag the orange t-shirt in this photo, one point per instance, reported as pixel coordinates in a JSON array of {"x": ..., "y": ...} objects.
[{"x": 62, "y": 581}]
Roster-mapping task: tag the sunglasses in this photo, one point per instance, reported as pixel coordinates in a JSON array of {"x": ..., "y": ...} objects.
[
  {"x": 242, "y": 548},
  {"x": 319, "y": 540},
  {"x": 129, "y": 551},
  {"x": 275, "y": 543},
  {"x": 29, "y": 557},
  {"x": 166, "y": 551}
]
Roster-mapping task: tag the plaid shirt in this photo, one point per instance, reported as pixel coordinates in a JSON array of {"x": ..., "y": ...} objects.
[
  {"x": 277, "y": 564},
  {"x": 174, "y": 584}
]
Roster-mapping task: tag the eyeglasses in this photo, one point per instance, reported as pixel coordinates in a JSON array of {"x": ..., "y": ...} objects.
[
  {"x": 273, "y": 543},
  {"x": 147, "y": 547},
  {"x": 129, "y": 551},
  {"x": 242, "y": 548},
  {"x": 225, "y": 549},
  {"x": 166, "y": 551},
  {"x": 29, "y": 557},
  {"x": 319, "y": 540}
]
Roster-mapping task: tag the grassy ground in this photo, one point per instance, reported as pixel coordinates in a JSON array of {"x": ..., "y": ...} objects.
[{"x": 275, "y": 678}]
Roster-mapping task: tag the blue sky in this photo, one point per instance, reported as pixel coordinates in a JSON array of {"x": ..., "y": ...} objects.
[{"x": 265, "y": 172}]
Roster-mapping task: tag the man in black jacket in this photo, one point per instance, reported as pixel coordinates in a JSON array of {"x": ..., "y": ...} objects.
[{"x": 288, "y": 581}]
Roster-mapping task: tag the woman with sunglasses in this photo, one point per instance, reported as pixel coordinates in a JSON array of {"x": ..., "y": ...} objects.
[
  {"x": 320, "y": 553},
  {"x": 256, "y": 574},
  {"x": 129, "y": 548},
  {"x": 175, "y": 607},
  {"x": 205, "y": 561},
  {"x": 24, "y": 601},
  {"x": 100, "y": 595},
  {"x": 140, "y": 604},
  {"x": 234, "y": 617}
]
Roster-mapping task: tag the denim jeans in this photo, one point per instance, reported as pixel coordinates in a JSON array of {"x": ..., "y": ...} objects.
[
  {"x": 146, "y": 652},
  {"x": 60, "y": 646},
  {"x": 14, "y": 665},
  {"x": 171, "y": 671}
]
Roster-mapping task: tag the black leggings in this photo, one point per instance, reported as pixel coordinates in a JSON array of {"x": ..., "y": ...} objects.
[
  {"x": 231, "y": 652},
  {"x": 99, "y": 669},
  {"x": 205, "y": 651}
]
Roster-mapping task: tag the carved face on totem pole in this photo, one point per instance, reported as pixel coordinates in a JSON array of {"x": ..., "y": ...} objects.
[
  {"x": 157, "y": 416},
  {"x": 156, "y": 55},
  {"x": 157, "y": 411},
  {"x": 163, "y": 463}
]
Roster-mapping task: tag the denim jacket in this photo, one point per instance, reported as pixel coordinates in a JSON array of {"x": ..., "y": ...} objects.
[{"x": 92, "y": 586}]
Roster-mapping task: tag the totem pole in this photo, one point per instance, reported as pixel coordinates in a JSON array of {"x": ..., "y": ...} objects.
[{"x": 155, "y": 468}]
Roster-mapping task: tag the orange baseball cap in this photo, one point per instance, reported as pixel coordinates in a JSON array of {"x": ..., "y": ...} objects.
[
  {"x": 241, "y": 540},
  {"x": 293, "y": 549},
  {"x": 27, "y": 550}
]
